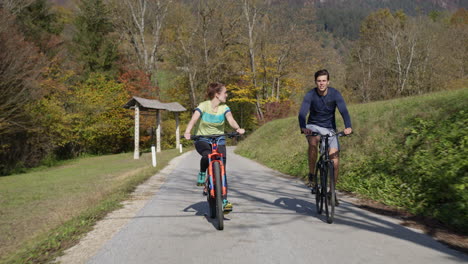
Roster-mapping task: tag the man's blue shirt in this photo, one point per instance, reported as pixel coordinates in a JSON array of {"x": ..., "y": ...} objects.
[{"x": 321, "y": 109}]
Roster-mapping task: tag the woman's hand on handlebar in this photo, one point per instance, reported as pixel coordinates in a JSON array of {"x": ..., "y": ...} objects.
[
  {"x": 187, "y": 136},
  {"x": 240, "y": 131}
]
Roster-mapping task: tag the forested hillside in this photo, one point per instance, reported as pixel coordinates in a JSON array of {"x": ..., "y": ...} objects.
[
  {"x": 343, "y": 18},
  {"x": 68, "y": 67}
]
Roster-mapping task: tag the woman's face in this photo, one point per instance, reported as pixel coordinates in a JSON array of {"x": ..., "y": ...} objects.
[{"x": 222, "y": 95}]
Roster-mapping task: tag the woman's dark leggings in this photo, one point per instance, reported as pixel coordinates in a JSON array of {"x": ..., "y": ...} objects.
[{"x": 204, "y": 148}]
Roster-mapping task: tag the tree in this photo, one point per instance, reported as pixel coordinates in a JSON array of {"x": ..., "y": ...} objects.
[
  {"x": 98, "y": 122},
  {"x": 14, "y": 6},
  {"x": 20, "y": 67},
  {"x": 251, "y": 14},
  {"x": 385, "y": 54},
  {"x": 141, "y": 23},
  {"x": 40, "y": 24},
  {"x": 93, "y": 43}
]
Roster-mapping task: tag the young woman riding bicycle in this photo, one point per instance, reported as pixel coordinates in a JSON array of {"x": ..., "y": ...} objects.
[{"x": 213, "y": 112}]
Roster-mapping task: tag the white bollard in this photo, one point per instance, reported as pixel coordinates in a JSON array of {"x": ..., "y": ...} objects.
[
  {"x": 180, "y": 148},
  {"x": 153, "y": 155}
]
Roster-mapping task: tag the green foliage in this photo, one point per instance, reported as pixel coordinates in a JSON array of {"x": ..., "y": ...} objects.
[
  {"x": 409, "y": 153},
  {"x": 98, "y": 122},
  {"x": 93, "y": 44},
  {"x": 38, "y": 22}
]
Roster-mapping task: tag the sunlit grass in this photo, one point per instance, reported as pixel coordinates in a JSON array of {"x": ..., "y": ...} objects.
[
  {"x": 32, "y": 204},
  {"x": 376, "y": 126},
  {"x": 403, "y": 152}
]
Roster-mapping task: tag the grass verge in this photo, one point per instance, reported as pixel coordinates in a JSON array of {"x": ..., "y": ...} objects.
[
  {"x": 409, "y": 153},
  {"x": 46, "y": 211}
]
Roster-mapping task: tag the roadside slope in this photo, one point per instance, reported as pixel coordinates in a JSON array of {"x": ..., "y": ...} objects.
[{"x": 409, "y": 153}]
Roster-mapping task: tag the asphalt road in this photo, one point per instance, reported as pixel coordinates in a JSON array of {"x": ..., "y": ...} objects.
[{"x": 274, "y": 221}]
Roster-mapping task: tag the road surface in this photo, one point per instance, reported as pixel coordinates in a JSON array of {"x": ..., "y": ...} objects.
[{"x": 274, "y": 221}]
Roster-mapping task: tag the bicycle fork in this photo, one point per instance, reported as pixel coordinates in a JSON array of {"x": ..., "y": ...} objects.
[{"x": 212, "y": 178}]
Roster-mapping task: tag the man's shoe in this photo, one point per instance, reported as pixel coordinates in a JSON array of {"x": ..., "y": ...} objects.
[
  {"x": 201, "y": 178},
  {"x": 311, "y": 184},
  {"x": 313, "y": 189},
  {"x": 227, "y": 206}
]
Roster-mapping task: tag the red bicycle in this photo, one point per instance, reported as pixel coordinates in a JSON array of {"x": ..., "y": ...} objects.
[{"x": 216, "y": 181}]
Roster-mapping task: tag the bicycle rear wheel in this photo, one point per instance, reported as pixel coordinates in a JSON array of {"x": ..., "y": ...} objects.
[
  {"x": 219, "y": 195},
  {"x": 331, "y": 194}
]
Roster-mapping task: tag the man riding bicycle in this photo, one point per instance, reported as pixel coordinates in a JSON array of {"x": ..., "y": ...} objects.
[
  {"x": 320, "y": 104},
  {"x": 213, "y": 113}
]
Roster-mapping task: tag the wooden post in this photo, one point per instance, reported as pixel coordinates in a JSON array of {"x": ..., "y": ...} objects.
[
  {"x": 177, "y": 131},
  {"x": 136, "y": 153},
  {"x": 158, "y": 130}
]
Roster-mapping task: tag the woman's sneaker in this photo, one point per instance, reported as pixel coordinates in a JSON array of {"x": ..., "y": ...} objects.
[
  {"x": 227, "y": 206},
  {"x": 201, "y": 178}
]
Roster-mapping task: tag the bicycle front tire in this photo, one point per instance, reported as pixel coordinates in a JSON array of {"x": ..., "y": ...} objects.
[
  {"x": 323, "y": 191},
  {"x": 331, "y": 195},
  {"x": 218, "y": 194}
]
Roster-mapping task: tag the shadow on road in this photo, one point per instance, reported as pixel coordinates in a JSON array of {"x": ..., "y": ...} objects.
[
  {"x": 202, "y": 209},
  {"x": 268, "y": 193}
]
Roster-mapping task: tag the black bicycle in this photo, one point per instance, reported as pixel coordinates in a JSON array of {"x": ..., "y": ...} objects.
[
  {"x": 216, "y": 184},
  {"x": 325, "y": 195}
]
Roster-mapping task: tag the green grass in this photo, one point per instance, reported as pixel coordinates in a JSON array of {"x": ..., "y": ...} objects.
[
  {"x": 44, "y": 211},
  {"x": 409, "y": 152}
]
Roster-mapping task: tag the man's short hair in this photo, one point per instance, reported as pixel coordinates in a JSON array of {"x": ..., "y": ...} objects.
[{"x": 321, "y": 73}]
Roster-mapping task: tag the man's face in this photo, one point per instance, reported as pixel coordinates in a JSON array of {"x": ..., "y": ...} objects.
[{"x": 322, "y": 83}]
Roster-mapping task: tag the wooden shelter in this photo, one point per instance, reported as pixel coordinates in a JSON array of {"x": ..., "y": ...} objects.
[{"x": 143, "y": 104}]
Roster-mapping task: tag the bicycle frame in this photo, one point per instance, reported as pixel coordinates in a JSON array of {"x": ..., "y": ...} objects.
[
  {"x": 327, "y": 178},
  {"x": 324, "y": 157}
]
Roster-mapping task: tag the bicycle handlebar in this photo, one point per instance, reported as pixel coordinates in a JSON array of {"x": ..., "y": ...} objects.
[
  {"x": 229, "y": 135},
  {"x": 339, "y": 134}
]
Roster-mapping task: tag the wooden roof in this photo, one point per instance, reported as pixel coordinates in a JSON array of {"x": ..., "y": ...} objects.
[{"x": 147, "y": 104}]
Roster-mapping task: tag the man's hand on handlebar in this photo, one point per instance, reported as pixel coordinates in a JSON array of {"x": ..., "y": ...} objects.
[{"x": 306, "y": 131}]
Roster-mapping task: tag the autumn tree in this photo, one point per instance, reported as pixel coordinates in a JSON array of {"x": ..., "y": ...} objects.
[
  {"x": 41, "y": 25},
  {"x": 141, "y": 23},
  {"x": 14, "y": 6},
  {"x": 20, "y": 68},
  {"x": 385, "y": 55},
  {"x": 252, "y": 13}
]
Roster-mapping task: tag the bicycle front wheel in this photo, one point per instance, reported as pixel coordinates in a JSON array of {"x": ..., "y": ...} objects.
[
  {"x": 318, "y": 190},
  {"x": 219, "y": 195},
  {"x": 323, "y": 190},
  {"x": 331, "y": 194}
]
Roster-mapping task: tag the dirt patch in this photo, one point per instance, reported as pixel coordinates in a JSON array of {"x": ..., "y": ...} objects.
[{"x": 440, "y": 232}]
